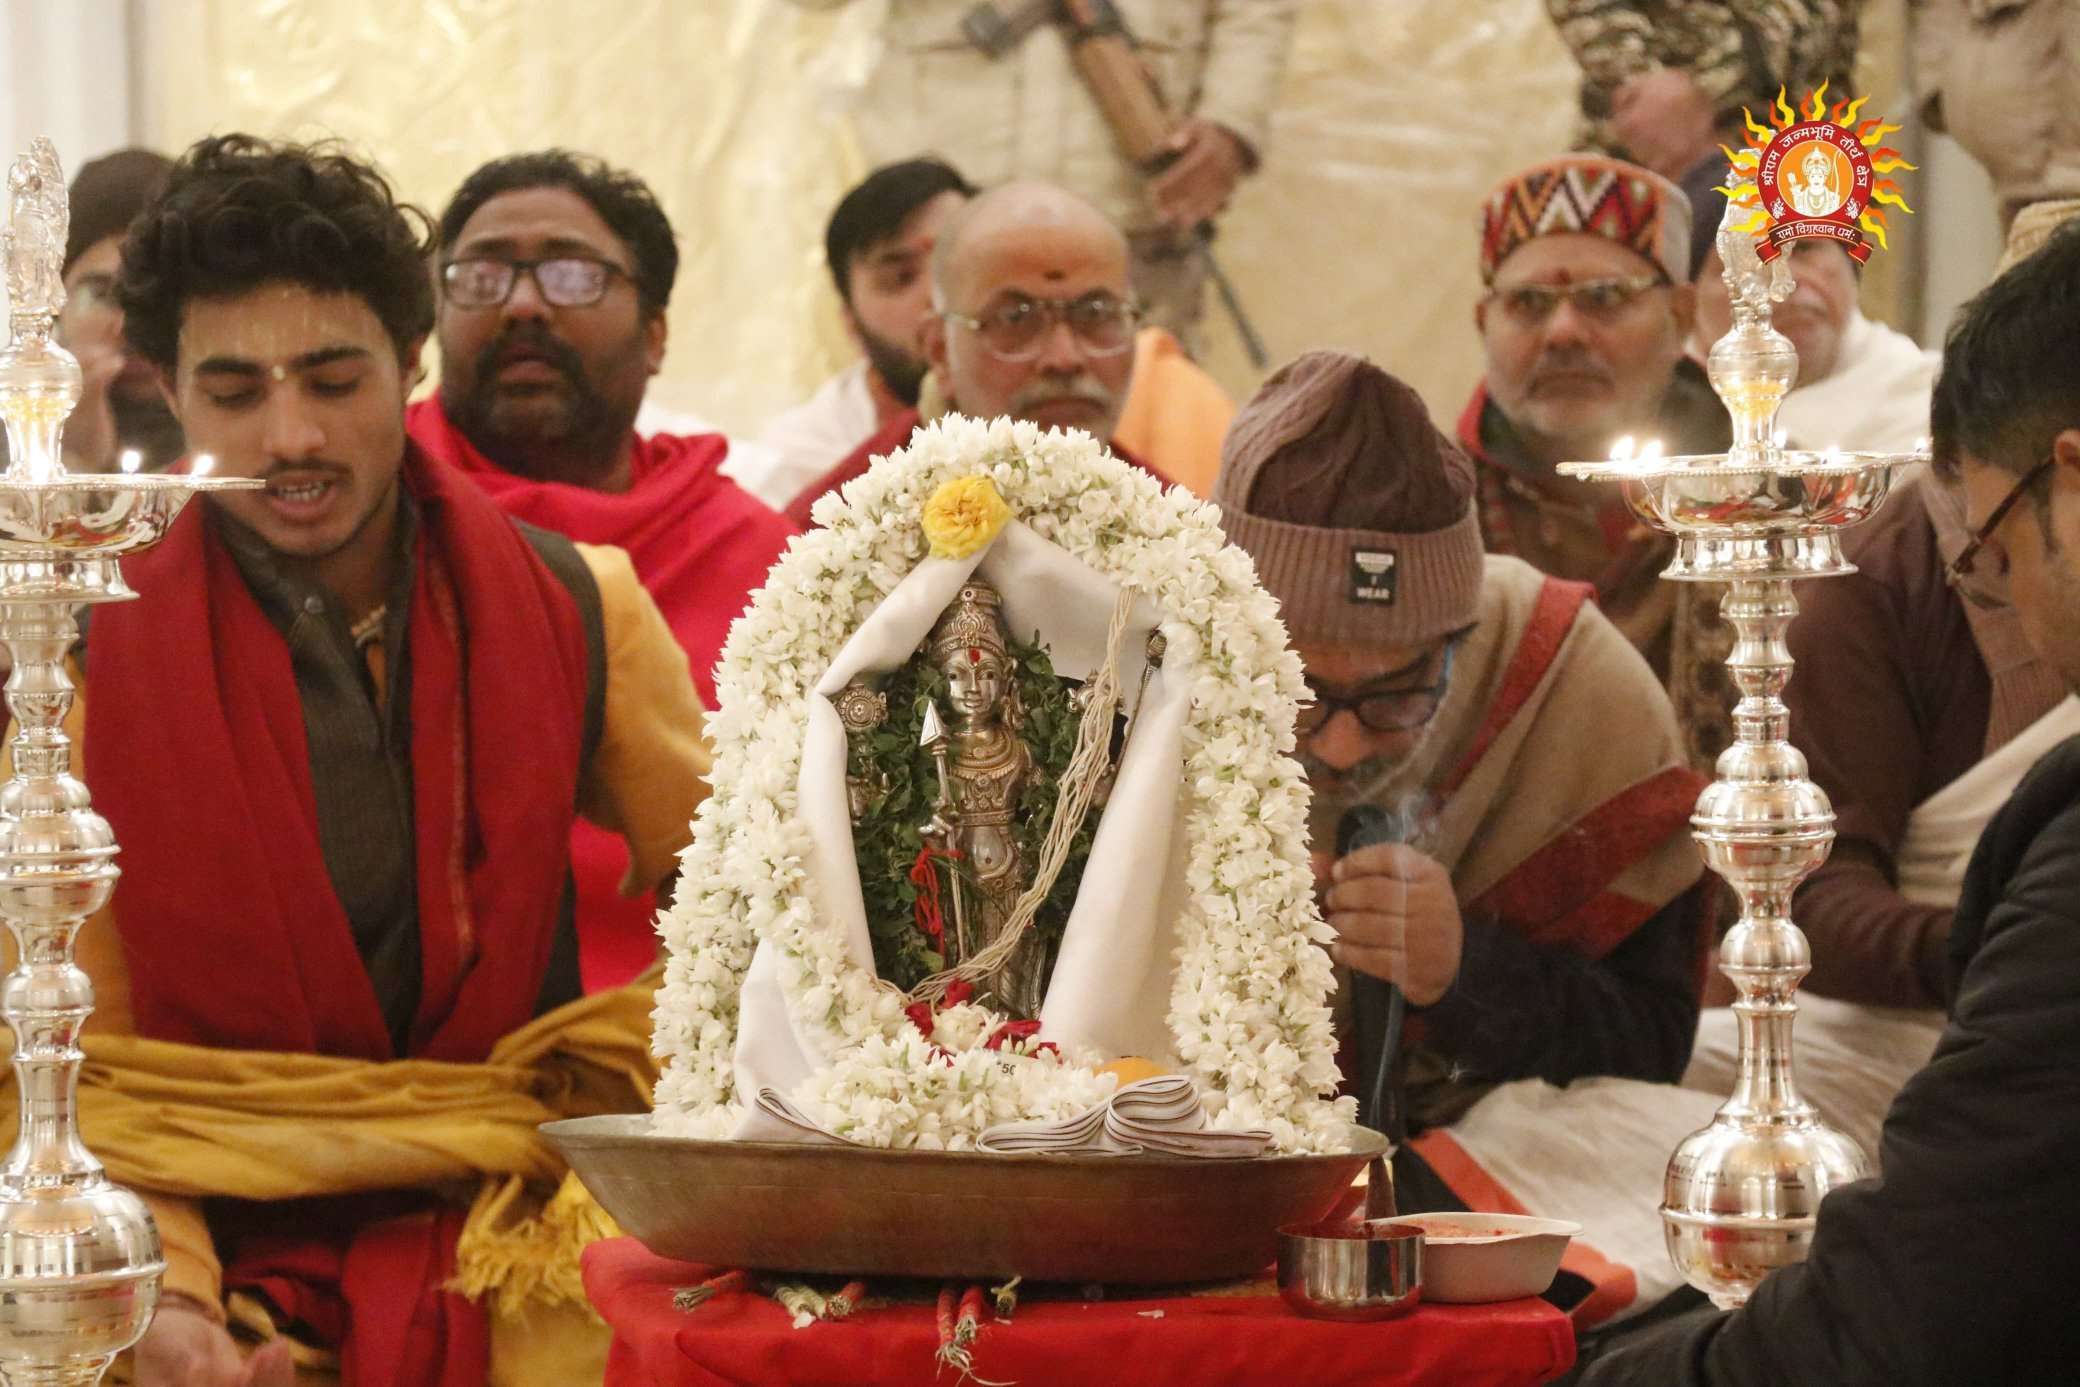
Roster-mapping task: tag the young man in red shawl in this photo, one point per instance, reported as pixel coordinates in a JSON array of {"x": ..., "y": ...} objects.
[
  {"x": 341, "y": 738},
  {"x": 1033, "y": 320},
  {"x": 1510, "y": 757},
  {"x": 555, "y": 271},
  {"x": 1588, "y": 308}
]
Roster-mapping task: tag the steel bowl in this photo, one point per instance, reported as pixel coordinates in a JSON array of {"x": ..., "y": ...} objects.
[
  {"x": 1369, "y": 1270},
  {"x": 861, "y": 1211}
]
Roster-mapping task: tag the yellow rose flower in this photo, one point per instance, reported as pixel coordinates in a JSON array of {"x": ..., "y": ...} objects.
[{"x": 963, "y": 516}]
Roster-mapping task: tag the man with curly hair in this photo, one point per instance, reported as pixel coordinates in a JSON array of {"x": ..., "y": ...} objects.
[
  {"x": 555, "y": 270},
  {"x": 386, "y": 701}
]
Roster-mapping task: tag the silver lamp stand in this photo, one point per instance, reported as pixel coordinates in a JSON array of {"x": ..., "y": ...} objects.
[
  {"x": 79, "y": 1256},
  {"x": 1742, "y": 1194}
]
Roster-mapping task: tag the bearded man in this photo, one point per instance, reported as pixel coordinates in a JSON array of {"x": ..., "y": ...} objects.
[
  {"x": 555, "y": 271},
  {"x": 878, "y": 246},
  {"x": 1587, "y": 310},
  {"x": 342, "y": 735},
  {"x": 1032, "y": 319}
]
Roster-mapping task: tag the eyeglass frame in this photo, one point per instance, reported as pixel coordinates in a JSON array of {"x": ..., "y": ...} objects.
[
  {"x": 1636, "y": 286},
  {"x": 1330, "y": 704},
  {"x": 1958, "y": 572},
  {"x": 1057, "y": 316},
  {"x": 531, "y": 269}
]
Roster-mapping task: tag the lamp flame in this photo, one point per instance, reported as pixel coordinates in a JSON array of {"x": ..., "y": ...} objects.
[
  {"x": 130, "y": 460},
  {"x": 202, "y": 464},
  {"x": 1623, "y": 449}
]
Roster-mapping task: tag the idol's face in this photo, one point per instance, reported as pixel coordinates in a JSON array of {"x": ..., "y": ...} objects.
[
  {"x": 889, "y": 296},
  {"x": 527, "y": 377},
  {"x": 1063, "y": 384},
  {"x": 1572, "y": 379},
  {"x": 974, "y": 686},
  {"x": 303, "y": 390}
]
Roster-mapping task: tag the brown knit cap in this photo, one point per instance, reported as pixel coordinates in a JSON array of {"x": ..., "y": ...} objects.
[{"x": 1356, "y": 509}]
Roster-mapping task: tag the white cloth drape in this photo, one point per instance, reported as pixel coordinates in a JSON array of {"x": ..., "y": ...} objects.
[{"x": 1111, "y": 982}]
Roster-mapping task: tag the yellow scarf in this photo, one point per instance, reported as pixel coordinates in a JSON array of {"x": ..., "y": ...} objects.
[{"x": 195, "y": 1121}]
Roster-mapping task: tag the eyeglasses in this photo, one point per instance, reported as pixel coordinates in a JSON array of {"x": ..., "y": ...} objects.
[
  {"x": 563, "y": 281},
  {"x": 1958, "y": 573},
  {"x": 1016, "y": 328},
  {"x": 1398, "y": 710},
  {"x": 1600, "y": 300}
]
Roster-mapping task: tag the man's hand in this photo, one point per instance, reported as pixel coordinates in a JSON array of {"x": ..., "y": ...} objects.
[
  {"x": 1664, "y": 120},
  {"x": 1199, "y": 181},
  {"x": 1396, "y": 917},
  {"x": 186, "y": 1348}
]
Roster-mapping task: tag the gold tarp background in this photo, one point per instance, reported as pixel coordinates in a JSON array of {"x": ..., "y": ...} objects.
[{"x": 1396, "y": 116}]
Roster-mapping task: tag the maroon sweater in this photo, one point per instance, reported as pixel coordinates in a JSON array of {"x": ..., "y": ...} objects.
[{"x": 1889, "y": 702}]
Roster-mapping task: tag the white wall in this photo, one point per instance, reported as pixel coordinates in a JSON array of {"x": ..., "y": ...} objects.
[{"x": 65, "y": 72}]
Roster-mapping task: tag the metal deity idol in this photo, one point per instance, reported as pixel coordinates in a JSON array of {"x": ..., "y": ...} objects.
[
  {"x": 1741, "y": 1195},
  {"x": 984, "y": 765},
  {"x": 79, "y": 1256}
]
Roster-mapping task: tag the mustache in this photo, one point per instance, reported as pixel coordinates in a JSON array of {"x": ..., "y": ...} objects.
[
  {"x": 283, "y": 467},
  {"x": 538, "y": 342},
  {"x": 1082, "y": 387},
  {"x": 1572, "y": 362}
]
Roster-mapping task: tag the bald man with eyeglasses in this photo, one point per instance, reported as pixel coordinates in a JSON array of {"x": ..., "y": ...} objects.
[
  {"x": 1032, "y": 319},
  {"x": 1587, "y": 308}
]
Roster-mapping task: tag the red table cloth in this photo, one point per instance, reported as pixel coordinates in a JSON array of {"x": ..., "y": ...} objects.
[{"x": 1190, "y": 1341}]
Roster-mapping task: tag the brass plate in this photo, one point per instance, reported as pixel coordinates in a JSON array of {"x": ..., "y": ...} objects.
[{"x": 777, "y": 1206}]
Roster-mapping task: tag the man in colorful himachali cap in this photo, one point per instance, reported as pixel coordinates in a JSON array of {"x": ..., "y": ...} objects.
[
  {"x": 1588, "y": 306},
  {"x": 1536, "y": 910}
]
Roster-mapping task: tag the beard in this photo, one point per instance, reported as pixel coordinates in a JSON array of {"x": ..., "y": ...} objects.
[
  {"x": 1397, "y": 784},
  {"x": 574, "y": 440},
  {"x": 901, "y": 370}
]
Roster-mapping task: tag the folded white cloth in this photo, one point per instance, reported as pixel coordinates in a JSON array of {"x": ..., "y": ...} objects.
[
  {"x": 1160, "y": 1116},
  {"x": 772, "y": 1117}
]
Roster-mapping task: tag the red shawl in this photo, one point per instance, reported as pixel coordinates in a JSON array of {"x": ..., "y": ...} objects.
[
  {"x": 232, "y": 933},
  {"x": 891, "y": 436},
  {"x": 701, "y": 545}
]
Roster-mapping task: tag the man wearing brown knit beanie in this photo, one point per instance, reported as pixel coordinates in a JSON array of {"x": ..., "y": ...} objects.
[{"x": 1509, "y": 756}]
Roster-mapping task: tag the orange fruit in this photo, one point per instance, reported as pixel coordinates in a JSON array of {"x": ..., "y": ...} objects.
[{"x": 1132, "y": 1069}]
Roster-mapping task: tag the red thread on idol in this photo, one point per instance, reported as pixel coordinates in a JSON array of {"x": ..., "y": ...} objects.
[{"x": 931, "y": 919}]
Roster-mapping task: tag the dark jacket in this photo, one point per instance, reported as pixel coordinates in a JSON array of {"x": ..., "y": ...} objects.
[{"x": 1958, "y": 1265}]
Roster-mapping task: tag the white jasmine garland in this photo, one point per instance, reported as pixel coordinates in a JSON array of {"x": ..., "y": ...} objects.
[{"x": 1248, "y": 1005}]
